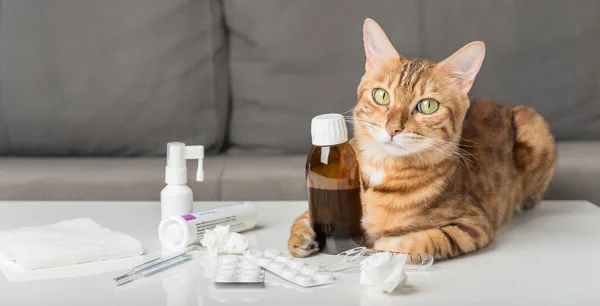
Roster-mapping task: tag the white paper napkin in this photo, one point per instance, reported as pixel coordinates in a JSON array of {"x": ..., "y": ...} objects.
[{"x": 65, "y": 243}]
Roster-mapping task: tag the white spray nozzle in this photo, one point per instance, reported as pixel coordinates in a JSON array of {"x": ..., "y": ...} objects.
[
  {"x": 196, "y": 152},
  {"x": 177, "y": 154}
]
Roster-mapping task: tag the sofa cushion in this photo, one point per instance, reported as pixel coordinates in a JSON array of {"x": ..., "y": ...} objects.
[
  {"x": 98, "y": 179},
  {"x": 3, "y": 134},
  {"x": 112, "y": 77},
  {"x": 292, "y": 60},
  {"x": 264, "y": 178}
]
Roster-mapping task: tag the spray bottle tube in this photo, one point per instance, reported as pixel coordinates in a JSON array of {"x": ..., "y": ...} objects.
[{"x": 178, "y": 232}]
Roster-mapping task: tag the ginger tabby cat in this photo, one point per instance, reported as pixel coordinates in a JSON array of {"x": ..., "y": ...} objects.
[{"x": 440, "y": 173}]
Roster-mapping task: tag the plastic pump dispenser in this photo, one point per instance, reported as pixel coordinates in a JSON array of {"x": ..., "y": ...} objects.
[{"x": 176, "y": 198}]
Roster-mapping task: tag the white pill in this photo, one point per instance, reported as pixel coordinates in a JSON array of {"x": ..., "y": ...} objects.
[
  {"x": 263, "y": 261},
  {"x": 309, "y": 270},
  {"x": 226, "y": 274},
  {"x": 223, "y": 278},
  {"x": 271, "y": 253},
  {"x": 250, "y": 278},
  {"x": 227, "y": 269},
  {"x": 283, "y": 258},
  {"x": 229, "y": 259},
  {"x": 304, "y": 280},
  {"x": 277, "y": 266},
  {"x": 251, "y": 268},
  {"x": 290, "y": 273},
  {"x": 296, "y": 263},
  {"x": 226, "y": 265},
  {"x": 323, "y": 276},
  {"x": 251, "y": 274},
  {"x": 252, "y": 254}
]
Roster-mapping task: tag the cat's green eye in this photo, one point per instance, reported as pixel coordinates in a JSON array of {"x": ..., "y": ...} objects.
[
  {"x": 428, "y": 106},
  {"x": 381, "y": 96}
]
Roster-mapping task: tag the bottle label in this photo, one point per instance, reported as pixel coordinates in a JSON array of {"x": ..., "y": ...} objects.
[
  {"x": 220, "y": 216},
  {"x": 189, "y": 217},
  {"x": 216, "y": 210}
]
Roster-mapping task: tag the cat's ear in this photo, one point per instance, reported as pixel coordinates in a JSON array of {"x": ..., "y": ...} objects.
[
  {"x": 464, "y": 65},
  {"x": 378, "y": 47}
]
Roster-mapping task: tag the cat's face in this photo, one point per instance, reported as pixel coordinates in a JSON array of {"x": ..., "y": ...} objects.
[{"x": 412, "y": 106}]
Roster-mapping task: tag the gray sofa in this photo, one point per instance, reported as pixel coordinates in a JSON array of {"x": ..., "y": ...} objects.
[{"x": 91, "y": 91}]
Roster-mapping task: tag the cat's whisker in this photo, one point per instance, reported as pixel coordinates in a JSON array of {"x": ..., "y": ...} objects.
[
  {"x": 468, "y": 140},
  {"x": 456, "y": 150},
  {"x": 364, "y": 125},
  {"x": 350, "y": 110},
  {"x": 443, "y": 144},
  {"x": 446, "y": 149},
  {"x": 357, "y": 121},
  {"x": 452, "y": 154},
  {"x": 445, "y": 154},
  {"x": 472, "y": 158},
  {"x": 474, "y": 145},
  {"x": 462, "y": 161},
  {"x": 351, "y": 118}
]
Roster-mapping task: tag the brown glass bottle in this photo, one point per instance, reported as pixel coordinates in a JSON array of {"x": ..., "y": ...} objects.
[{"x": 333, "y": 182}]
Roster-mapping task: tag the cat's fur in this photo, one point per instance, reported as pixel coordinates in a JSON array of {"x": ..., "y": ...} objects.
[{"x": 447, "y": 181}]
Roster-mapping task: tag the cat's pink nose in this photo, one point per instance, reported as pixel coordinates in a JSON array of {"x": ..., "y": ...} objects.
[{"x": 393, "y": 129}]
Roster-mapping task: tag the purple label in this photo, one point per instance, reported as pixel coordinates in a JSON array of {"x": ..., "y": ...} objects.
[{"x": 188, "y": 217}]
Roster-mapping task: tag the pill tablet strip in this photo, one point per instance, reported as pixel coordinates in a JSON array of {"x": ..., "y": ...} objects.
[
  {"x": 291, "y": 269},
  {"x": 237, "y": 270}
]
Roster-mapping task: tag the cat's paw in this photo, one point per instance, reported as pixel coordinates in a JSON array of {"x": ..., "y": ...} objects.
[
  {"x": 303, "y": 243},
  {"x": 387, "y": 244},
  {"x": 407, "y": 244}
]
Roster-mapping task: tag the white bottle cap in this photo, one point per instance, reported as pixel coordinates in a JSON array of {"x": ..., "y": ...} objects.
[
  {"x": 176, "y": 170},
  {"x": 175, "y": 154},
  {"x": 328, "y": 130},
  {"x": 174, "y": 233}
]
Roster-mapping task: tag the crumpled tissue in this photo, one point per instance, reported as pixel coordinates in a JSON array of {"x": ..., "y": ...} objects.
[
  {"x": 383, "y": 272},
  {"x": 219, "y": 240}
]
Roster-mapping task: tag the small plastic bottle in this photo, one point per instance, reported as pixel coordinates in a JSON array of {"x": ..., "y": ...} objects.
[{"x": 332, "y": 178}]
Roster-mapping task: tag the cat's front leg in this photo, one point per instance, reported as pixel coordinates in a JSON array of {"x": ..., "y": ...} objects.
[
  {"x": 445, "y": 242},
  {"x": 302, "y": 241}
]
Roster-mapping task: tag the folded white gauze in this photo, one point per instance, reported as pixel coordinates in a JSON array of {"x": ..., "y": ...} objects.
[
  {"x": 219, "y": 240},
  {"x": 65, "y": 243},
  {"x": 383, "y": 271}
]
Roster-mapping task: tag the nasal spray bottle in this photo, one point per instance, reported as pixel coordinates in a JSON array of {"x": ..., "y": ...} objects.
[{"x": 176, "y": 199}]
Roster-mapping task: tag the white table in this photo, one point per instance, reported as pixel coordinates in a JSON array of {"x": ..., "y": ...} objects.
[{"x": 546, "y": 256}]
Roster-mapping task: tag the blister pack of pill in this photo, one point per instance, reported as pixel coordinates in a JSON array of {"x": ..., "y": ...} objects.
[
  {"x": 233, "y": 269},
  {"x": 294, "y": 270}
]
